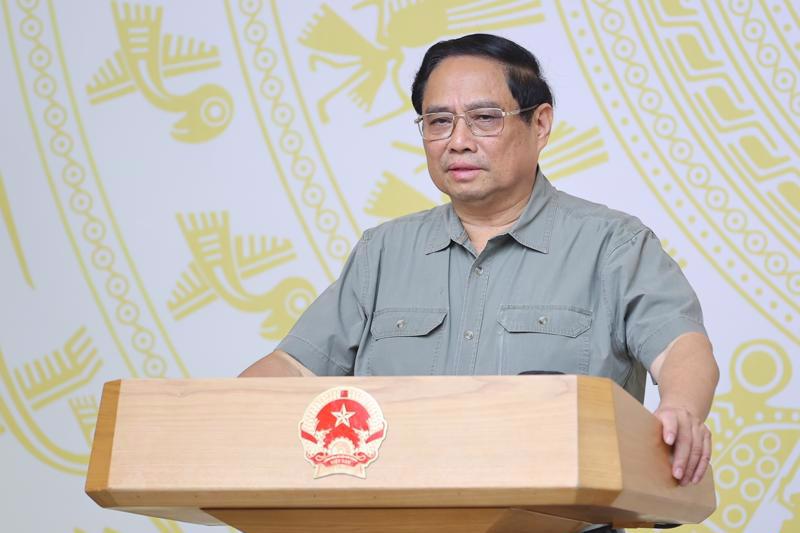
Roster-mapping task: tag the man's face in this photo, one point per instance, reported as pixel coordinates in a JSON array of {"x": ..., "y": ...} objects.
[{"x": 491, "y": 172}]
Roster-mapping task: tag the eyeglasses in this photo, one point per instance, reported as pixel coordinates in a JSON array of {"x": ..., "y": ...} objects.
[{"x": 483, "y": 122}]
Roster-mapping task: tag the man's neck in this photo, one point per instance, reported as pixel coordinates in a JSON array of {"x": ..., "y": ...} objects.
[{"x": 481, "y": 224}]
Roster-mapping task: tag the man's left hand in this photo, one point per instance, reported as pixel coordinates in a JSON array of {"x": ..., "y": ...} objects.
[{"x": 691, "y": 441}]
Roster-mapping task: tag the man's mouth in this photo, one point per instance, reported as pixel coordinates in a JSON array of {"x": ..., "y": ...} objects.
[{"x": 463, "y": 171}]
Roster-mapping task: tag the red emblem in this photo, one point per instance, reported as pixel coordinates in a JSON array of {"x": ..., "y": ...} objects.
[{"x": 341, "y": 432}]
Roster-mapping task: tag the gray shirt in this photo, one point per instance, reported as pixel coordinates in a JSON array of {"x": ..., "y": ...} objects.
[{"x": 573, "y": 287}]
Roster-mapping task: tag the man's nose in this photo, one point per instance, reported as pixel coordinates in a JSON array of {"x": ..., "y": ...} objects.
[{"x": 462, "y": 139}]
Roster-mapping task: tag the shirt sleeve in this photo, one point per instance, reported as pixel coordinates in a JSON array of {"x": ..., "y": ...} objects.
[
  {"x": 326, "y": 337},
  {"x": 651, "y": 300}
]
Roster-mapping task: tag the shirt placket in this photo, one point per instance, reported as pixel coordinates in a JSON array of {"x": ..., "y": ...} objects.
[{"x": 474, "y": 304}]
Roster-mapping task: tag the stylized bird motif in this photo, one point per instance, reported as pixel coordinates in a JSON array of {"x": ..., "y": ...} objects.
[
  {"x": 219, "y": 265},
  {"x": 209, "y": 238},
  {"x": 329, "y": 32},
  {"x": 59, "y": 373},
  {"x": 145, "y": 58},
  {"x": 288, "y": 300},
  {"x": 402, "y": 24}
]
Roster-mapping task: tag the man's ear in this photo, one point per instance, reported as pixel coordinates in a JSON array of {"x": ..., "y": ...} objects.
[{"x": 543, "y": 120}]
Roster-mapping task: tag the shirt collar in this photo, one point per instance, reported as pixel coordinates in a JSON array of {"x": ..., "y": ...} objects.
[
  {"x": 447, "y": 228},
  {"x": 532, "y": 230},
  {"x": 535, "y": 226}
]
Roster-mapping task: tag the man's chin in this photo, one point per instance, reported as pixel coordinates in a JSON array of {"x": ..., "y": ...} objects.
[{"x": 468, "y": 196}]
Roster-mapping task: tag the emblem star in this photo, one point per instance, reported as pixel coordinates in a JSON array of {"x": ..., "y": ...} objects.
[{"x": 343, "y": 416}]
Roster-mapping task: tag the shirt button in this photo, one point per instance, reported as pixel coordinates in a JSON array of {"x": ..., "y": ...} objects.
[
  {"x": 543, "y": 320},
  {"x": 400, "y": 324},
  {"x": 478, "y": 271},
  {"x": 468, "y": 335}
]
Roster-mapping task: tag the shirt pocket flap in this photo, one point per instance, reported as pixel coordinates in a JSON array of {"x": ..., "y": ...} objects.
[
  {"x": 555, "y": 320},
  {"x": 405, "y": 322}
]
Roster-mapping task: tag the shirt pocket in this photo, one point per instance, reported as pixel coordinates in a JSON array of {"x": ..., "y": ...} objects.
[
  {"x": 544, "y": 337},
  {"x": 405, "y": 341}
]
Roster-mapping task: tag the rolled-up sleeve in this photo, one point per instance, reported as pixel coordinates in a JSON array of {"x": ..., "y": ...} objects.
[
  {"x": 326, "y": 337},
  {"x": 651, "y": 300}
]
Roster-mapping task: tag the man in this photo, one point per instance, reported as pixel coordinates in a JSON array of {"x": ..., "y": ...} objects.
[{"x": 513, "y": 275}]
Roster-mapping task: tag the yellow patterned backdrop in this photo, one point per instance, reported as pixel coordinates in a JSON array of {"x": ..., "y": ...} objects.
[{"x": 179, "y": 179}]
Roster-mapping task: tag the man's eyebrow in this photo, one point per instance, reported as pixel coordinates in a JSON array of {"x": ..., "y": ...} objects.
[
  {"x": 481, "y": 104},
  {"x": 472, "y": 105},
  {"x": 435, "y": 109}
]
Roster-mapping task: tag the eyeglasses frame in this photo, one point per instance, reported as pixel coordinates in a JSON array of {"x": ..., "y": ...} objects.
[{"x": 504, "y": 114}]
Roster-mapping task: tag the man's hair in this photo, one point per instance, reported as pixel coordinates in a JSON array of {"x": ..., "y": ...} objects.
[{"x": 523, "y": 75}]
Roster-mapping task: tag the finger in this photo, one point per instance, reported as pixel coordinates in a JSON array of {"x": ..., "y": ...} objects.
[
  {"x": 669, "y": 426},
  {"x": 683, "y": 446},
  {"x": 705, "y": 458},
  {"x": 695, "y": 452}
]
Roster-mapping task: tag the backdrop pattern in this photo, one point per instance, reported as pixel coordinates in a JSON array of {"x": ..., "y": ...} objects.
[{"x": 180, "y": 179}]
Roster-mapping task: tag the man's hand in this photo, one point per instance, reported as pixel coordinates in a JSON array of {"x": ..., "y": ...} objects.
[
  {"x": 691, "y": 439},
  {"x": 687, "y": 376}
]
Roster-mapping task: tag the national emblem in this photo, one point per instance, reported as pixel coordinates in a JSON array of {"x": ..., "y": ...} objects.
[{"x": 341, "y": 432}]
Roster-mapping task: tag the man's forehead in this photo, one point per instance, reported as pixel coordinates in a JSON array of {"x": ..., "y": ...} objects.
[{"x": 471, "y": 81}]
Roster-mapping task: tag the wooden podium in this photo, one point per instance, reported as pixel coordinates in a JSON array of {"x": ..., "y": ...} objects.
[{"x": 497, "y": 454}]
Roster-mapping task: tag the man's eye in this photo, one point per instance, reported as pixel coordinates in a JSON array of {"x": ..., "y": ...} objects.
[
  {"x": 485, "y": 118},
  {"x": 440, "y": 121}
]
